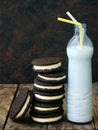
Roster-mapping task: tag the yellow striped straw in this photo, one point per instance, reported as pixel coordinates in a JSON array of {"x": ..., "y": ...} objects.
[{"x": 75, "y": 23}]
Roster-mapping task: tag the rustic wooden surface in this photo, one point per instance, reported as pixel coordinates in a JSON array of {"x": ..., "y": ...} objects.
[
  {"x": 7, "y": 93},
  {"x": 6, "y": 96},
  {"x": 96, "y": 105}
]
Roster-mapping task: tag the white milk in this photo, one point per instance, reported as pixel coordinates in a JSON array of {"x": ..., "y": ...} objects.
[{"x": 79, "y": 93}]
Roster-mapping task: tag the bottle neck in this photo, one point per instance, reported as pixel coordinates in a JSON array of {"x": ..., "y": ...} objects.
[{"x": 77, "y": 30}]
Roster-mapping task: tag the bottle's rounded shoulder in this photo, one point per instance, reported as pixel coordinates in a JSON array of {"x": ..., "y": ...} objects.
[
  {"x": 75, "y": 41},
  {"x": 87, "y": 41}
]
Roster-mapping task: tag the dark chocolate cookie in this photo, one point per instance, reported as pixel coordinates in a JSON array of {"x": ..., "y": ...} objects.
[
  {"x": 48, "y": 64},
  {"x": 21, "y": 104}
]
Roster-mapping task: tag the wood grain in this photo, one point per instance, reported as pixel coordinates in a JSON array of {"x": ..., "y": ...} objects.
[
  {"x": 64, "y": 125},
  {"x": 96, "y": 105},
  {"x": 28, "y": 124},
  {"x": 96, "y": 117},
  {"x": 6, "y": 95},
  {"x": 95, "y": 93}
]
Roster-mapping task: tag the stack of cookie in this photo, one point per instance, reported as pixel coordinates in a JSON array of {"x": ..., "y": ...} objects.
[{"x": 48, "y": 90}]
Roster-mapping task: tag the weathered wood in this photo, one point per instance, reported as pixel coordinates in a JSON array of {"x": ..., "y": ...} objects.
[
  {"x": 6, "y": 95},
  {"x": 27, "y": 123},
  {"x": 65, "y": 125},
  {"x": 30, "y": 86},
  {"x": 96, "y": 116},
  {"x": 95, "y": 93}
]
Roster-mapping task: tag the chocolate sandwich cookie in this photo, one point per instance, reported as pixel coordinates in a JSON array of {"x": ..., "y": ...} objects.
[
  {"x": 48, "y": 64},
  {"x": 57, "y": 77},
  {"x": 49, "y": 96},
  {"x": 47, "y": 116},
  {"x": 47, "y": 87},
  {"x": 40, "y": 106},
  {"x": 21, "y": 104}
]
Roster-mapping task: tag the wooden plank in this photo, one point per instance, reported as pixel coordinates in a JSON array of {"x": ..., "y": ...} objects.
[
  {"x": 6, "y": 95},
  {"x": 96, "y": 116},
  {"x": 95, "y": 93},
  {"x": 95, "y": 90},
  {"x": 65, "y": 125},
  {"x": 27, "y": 123}
]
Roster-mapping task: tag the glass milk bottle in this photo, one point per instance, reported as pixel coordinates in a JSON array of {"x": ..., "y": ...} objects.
[{"x": 79, "y": 91}]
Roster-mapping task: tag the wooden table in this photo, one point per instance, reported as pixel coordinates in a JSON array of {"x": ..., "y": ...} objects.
[{"x": 8, "y": 93}]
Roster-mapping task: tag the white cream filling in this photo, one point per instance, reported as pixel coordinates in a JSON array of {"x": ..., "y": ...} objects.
[
  {"x": 47, "y": 67},
  {"x": 23, "y": 108},
  {"x": 43, "y": 120},
  {"x": 52, "y": 78},
  {"x": 46, "y": 109},
  {"x": 48, "y": 87},
  {"x": 49, "y": 97}
]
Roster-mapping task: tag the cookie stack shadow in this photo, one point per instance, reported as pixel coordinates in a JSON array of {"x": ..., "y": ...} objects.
[{"x": 48, "y": 90}]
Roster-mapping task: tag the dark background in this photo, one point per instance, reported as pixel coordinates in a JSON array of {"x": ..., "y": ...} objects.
[{"x": 29, "y": 29}]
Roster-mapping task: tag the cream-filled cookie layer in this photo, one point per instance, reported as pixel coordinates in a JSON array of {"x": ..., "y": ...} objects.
[
  {"x": 47, "y": 120},
  {"x": 47, "y": 67},
  {"x": 52, "y": 78},
  {"x": 49, "y": 97},
  {"x": 46, "y": 109},
  {"x": 48, "y": 87},
  {"x": 23, "y": 108}
]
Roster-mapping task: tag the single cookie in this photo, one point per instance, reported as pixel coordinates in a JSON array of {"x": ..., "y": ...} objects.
[
  {"x": 48, "y": 64},
  {"x": 47, "y": 87},
  {"x": 47, "y": 116},
  {"x": 40, "y": 106},
  {"x": 49, "y": 96},
  {"x": 21, "y": 104},
  {"x": 57, "y": 77}
]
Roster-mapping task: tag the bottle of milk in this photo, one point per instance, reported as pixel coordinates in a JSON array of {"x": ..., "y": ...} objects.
[{"x": 79, "y": 91}]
